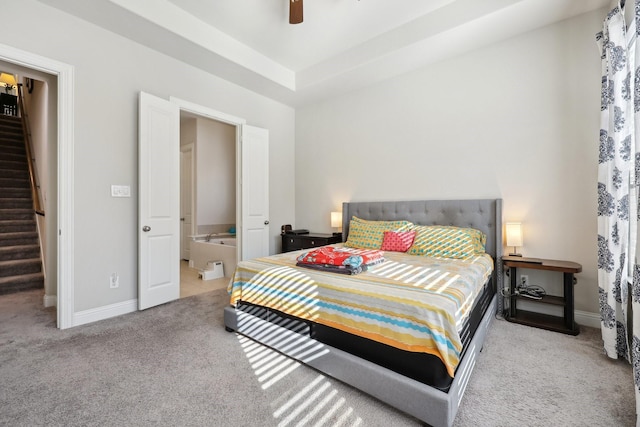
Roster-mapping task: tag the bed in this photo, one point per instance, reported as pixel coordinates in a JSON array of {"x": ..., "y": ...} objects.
[{"x": 425, "y": 382}]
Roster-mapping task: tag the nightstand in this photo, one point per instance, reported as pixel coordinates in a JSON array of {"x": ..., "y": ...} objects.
[
  {"x": 294, "y": 242},
  {"x": 565, "y": 324}
]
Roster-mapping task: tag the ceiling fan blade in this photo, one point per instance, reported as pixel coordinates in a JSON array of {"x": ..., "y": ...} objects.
[{"x": 295, "y": 11}]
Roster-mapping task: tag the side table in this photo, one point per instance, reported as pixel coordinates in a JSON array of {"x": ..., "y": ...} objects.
[{"x": 565, "y": 324}]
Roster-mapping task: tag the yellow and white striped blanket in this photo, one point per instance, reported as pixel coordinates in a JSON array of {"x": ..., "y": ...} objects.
[{"x": 410, "y": 302}]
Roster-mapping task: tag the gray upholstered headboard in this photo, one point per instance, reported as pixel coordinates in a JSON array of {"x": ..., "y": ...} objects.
[{"x": 482, "y": 214}]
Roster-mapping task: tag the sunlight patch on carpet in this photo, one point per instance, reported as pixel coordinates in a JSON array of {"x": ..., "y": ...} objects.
[{"x": 316, "y": 404}]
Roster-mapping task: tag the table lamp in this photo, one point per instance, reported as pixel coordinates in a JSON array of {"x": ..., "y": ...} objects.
[
  {"x": 514, "y": 236},
  {"x": 336, "y": 222}
]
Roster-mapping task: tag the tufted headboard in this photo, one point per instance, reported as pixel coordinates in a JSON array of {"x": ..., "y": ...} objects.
[{"x": 482, "y": 214}]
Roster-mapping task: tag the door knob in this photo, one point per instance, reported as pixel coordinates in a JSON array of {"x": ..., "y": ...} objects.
[
  {"x": 181, "y": 219},
  {"x": 146, "y": 228},
  {"x": 266, "y": 222}
]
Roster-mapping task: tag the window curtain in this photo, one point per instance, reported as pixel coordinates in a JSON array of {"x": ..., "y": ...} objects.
[{"x": 618, "y": 182}]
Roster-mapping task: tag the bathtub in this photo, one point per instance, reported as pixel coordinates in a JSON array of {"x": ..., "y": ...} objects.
[{"x": 217, "y": 249}]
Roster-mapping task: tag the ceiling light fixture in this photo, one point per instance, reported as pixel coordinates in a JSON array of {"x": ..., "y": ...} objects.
[{"x": 295, "y": 11}]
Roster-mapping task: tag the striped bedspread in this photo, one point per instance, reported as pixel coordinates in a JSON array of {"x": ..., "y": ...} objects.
[{"x": 409, "y": 302}]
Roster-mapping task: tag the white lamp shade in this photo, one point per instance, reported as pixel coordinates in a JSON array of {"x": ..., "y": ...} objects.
[
  {"x": 336, "y": 219},
  {"x": 514, "y": 234}
]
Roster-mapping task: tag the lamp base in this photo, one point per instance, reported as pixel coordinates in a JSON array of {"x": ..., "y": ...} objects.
[{"x": 515, "y": 254}]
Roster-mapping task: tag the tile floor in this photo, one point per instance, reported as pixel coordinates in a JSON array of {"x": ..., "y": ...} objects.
[{"x": 191, "y": 284}]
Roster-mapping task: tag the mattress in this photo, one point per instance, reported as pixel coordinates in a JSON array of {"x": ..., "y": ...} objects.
[{"x": 412, "y": 303}]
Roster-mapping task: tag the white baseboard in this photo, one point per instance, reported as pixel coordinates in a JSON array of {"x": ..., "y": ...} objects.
[
  {"x": 101, "y": 313},
  {"x": 587, "y": 318},
  {"x": 50, "y": 300}
]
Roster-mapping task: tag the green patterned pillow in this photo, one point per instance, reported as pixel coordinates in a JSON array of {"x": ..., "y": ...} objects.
[
  {"x": 447, "y": 241},
  {"x": 370, "y": 234},
  {"x": 478, "y": 238}
]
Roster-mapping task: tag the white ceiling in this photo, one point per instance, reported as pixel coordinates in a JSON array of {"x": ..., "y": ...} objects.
[{"x": 342, "y": 45}]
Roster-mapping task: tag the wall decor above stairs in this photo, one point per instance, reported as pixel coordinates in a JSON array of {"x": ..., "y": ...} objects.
[{"x": 20, "y": 258}]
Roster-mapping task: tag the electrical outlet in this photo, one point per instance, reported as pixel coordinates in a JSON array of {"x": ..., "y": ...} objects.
[
  {"x": 524, "y": 280},
  {"x": 114, "y": 280}
]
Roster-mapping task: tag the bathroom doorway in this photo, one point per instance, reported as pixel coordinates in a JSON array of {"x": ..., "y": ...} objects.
[
  {"x": 208, "y": 202},
  {"x": 159, "y": 185}
]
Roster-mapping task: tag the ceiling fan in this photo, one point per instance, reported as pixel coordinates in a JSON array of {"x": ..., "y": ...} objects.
[{"x": 295, "y": 11}]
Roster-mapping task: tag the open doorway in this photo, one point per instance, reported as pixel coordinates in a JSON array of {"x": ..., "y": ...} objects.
[
  {"x": 30, "y": 226},
  {"x": 208, "y": 182},
  {"x": 159, "y": 194},
  {"x": 61, "y": 234}
]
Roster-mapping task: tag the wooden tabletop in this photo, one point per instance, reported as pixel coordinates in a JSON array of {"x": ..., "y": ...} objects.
[{"x": 542, "y": 264}]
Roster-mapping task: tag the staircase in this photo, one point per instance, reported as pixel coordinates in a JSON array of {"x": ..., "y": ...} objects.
[{"x": 20, "y": 263}]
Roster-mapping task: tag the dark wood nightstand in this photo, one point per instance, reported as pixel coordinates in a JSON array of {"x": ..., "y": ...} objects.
[
  {"x": 294, "y": 242},
  {"x": 564, "y": 324}
]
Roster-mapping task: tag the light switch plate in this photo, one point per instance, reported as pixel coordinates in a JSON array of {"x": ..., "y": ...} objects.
[{"x": 120, "y": 191}]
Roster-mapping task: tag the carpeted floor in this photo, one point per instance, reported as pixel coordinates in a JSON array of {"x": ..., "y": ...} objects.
[{"x": 176, "y": 365}]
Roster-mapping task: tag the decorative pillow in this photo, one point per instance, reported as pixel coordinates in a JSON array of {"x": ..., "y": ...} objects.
[
  {"x": 398, "y": 241},
  {"x": 370, "y": 234},
  {"x": 447, "y": 241}
]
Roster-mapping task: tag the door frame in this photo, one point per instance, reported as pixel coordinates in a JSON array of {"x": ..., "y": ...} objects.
[
  {"x": 237, "y": 122},
  {"x": 65, "y": 173},
  {"x": 188, "y": 147}
]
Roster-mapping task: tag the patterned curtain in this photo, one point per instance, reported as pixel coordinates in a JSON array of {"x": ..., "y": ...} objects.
[{"x": 618, "y": 182}]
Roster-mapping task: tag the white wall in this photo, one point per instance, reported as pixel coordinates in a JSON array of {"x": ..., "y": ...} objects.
[
  {"x": 517, "y": 120},
  {"x": 216, "y": 173},
  {"x": 109, "y": 72},
  {"x": 37, "y": 107},
  {"x": 188, "y": 131}
]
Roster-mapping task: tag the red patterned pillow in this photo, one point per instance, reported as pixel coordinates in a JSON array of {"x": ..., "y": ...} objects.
[{"x": 397, "y": 241}]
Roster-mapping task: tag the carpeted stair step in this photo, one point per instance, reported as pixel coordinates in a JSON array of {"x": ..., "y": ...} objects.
[
  {"x": 10, "y": 120},
  {"x": 25, "y": 282},
  {"x": 13, "y": 155},
  {"x": 14, "y": 137},
  {"x": 13, "y": 125},
  {"x": 17, "y": 267},
  {"x": 14, "y": 146},
  {"x": 19, "y": 252},
  {"x": 15, "y": 193},
  {"x": 16, "y": 203},
  {"x": 11, "y": 139},
  {"x": 16, "y": 225},
  {"x": 10, "y": 163},
  {"x": 20, "y": 262},
  {"x": 11, "y": 135},
  {"x": 19, "y": 238},
  {"x": 15, "y": 173},
  {"x": 13, "y": 183},
  {"x": 13, "y": 214}
]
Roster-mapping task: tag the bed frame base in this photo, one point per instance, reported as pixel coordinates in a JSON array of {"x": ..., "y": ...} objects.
[{"x": 426, "y": 403}]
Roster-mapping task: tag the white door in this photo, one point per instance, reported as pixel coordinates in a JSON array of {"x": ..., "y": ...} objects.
[
  {"x": 159, "y": 201},
  {"x": 186, "y": 200},
  {"x": 254, "y": 232}
]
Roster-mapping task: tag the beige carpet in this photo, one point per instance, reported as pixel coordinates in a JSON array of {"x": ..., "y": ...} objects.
[{"x": 175, "y": 365}]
